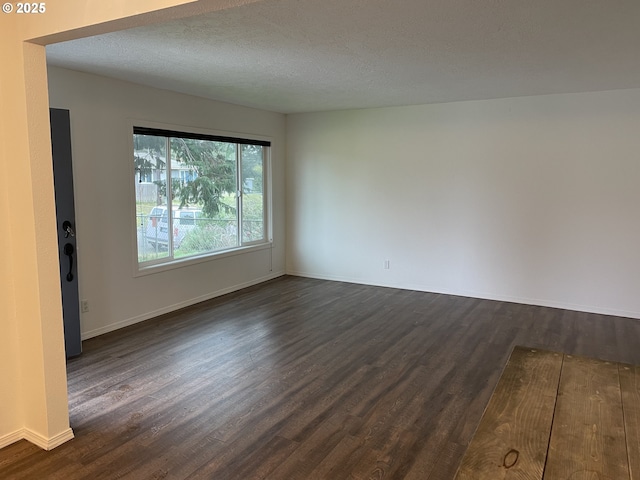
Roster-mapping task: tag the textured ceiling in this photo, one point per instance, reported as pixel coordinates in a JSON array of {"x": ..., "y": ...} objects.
[{"x": 312, "y": 55}]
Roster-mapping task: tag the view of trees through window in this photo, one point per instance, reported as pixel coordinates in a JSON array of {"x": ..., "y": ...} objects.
[{"x": 196, "y": 194}]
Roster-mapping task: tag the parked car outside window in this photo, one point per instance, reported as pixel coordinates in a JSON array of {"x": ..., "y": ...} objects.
[{"x": 157, "y": 231}]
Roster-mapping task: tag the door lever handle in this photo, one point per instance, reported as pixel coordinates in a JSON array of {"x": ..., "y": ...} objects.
[
  {"x": 68, "y": 251},
  {"x": 68, "y": 231}
]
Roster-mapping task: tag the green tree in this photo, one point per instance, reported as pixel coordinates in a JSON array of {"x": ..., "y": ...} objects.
[
  {"x": 252, "y": 165},
  {"x": 149, "y": 154},
  {"x": 214, "y": 165}
]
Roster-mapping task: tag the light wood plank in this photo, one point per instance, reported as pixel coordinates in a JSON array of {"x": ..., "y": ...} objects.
[
  {"x": 512, "y": 438},
  {"x": 588, "y": 438},
  {"x": 630, "y": 386}
]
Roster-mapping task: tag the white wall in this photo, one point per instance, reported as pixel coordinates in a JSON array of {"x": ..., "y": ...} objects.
[
  {"x": 100, "y": 109},
  {"x": 535, "y": 200}
]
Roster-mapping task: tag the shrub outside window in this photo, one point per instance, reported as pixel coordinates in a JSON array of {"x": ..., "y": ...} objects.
[{"x": 197, "y": 194}]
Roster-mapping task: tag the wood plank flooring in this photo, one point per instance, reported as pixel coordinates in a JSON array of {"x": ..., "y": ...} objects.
[
  {"x": 588, "y": 438},
  {"x": 630, "y": 385},
  {"x": 513, "y": 437},
  {"x": 556, "y": 416},
  {"x": 304, "y": 379}
]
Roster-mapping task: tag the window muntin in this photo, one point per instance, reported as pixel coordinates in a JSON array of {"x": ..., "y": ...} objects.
[{"x": 207, "y": 194}]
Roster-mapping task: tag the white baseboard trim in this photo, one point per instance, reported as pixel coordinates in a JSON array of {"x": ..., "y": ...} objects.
[
  {"x": 176, "y": 306},
  {"x": 480, "y": 295},
  {"x": 37, "y": 439},
  {"x": 10, "y": 438},
  {"x": 48, "y": 443}
]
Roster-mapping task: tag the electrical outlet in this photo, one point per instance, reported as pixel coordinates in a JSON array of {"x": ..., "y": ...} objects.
[
  {"x": 84, "y": 306},
  {"x": 387, "y": 265}
]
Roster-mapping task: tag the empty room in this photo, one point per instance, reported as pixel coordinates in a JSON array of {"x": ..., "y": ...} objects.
[{"x": 284, "y": 239}]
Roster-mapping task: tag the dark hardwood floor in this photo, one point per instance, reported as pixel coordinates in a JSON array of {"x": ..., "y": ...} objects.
[{"x": 302, "y": 379}]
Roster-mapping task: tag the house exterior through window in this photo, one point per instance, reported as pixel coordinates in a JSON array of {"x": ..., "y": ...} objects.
[{"x": 197, "y": 195}]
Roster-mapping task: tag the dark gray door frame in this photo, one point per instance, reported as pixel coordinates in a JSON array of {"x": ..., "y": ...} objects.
[{"x": 66, "y": 223}]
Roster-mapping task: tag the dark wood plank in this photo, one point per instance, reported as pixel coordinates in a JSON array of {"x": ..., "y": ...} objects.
[
  {"x": 630, "y": 387},
  {"x": 513, "y": 435},
  {"x": 588, "y": 436},
  {"x": 304, "y": 460},
  {"x": 299, "y": 378}
]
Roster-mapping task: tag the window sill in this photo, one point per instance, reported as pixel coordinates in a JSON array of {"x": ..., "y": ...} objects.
[{"x": 186, "y": 262}]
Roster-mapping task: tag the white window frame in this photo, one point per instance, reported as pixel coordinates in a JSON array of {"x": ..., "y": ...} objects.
[{"x": 168, "y": 263}]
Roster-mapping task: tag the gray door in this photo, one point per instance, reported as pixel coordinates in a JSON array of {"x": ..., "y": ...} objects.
[{"x": 66, "y": 222}]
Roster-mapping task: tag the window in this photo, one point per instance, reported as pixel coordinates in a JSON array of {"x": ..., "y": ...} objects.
[{"x": 197, "y": 194}]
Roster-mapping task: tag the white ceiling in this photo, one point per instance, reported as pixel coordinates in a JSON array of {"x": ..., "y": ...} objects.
[{"x": 312, "y": 55}]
